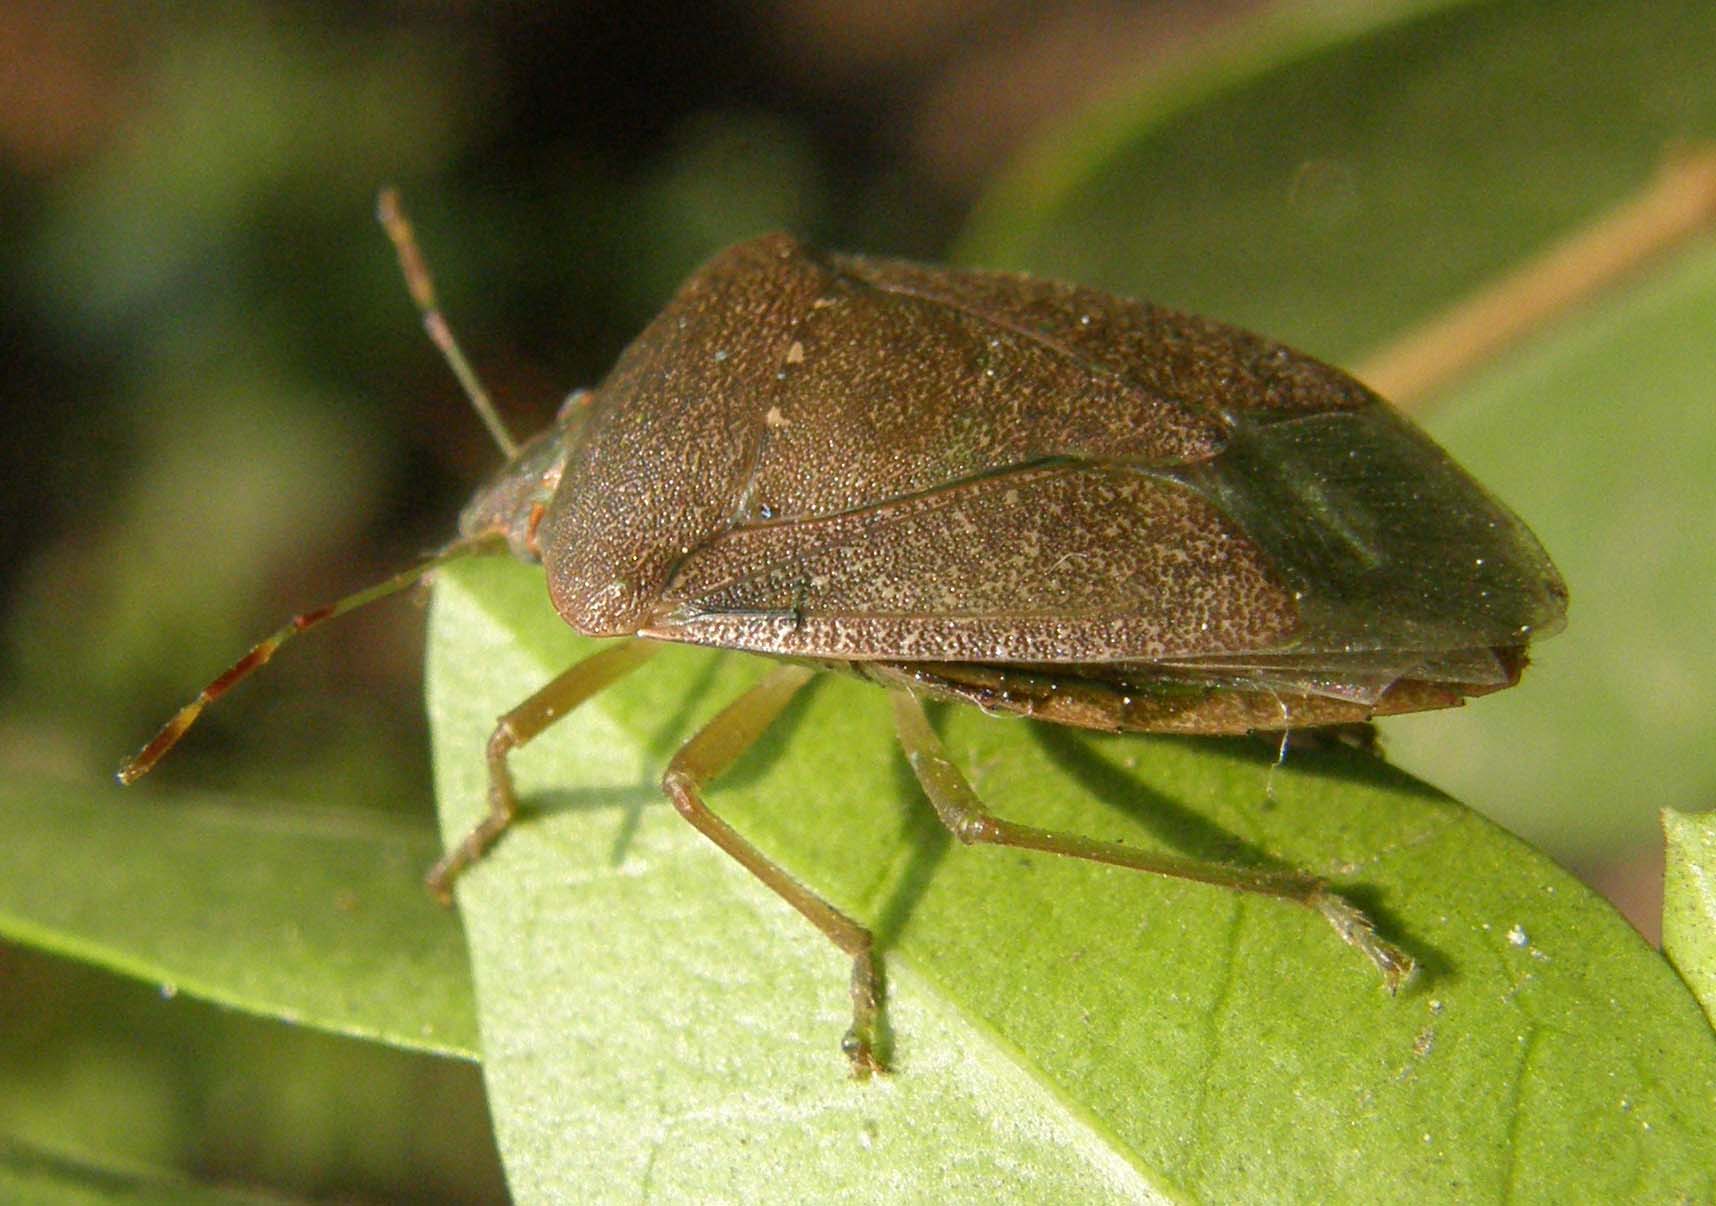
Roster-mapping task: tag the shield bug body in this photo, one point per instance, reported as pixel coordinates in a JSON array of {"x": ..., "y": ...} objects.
[{"x": 1034, "y": 497}]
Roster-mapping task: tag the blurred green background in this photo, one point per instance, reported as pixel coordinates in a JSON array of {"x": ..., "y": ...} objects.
[{"x": 219, "y": 406}]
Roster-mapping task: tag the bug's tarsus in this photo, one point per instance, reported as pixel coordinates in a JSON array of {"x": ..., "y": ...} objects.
[
  {"x": 960, "y": 809},
  {"x": 551, "y": 703},
  {"x": 1357, "y": 929},
  {"x": 391, "y": 214},
  {"x": 864, "y": 1043},
  {"x": 134, "y": 768}
]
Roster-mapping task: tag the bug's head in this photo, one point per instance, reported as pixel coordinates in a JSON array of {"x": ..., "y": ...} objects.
[{"x": 511, "y": 503}]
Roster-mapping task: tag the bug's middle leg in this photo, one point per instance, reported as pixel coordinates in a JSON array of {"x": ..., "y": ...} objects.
[
  {"x": 960, "y": 809},
  {"x": 712, "y": 750}
]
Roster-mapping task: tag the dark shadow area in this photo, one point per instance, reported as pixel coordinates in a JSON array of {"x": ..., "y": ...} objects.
[
  {"x": 773, "y": 744},
  {"x": 661, "y": 746},
  {"x": 631, "y": 816},
  {"x": 633, "y": 799},
  {"x": 1184, "y": 830},
  {"x": 583, "y": 799},
  {"x": 665, "y": 741},
  {"x": 539, "y": 805},
  {"x": 930, "y": 844}
]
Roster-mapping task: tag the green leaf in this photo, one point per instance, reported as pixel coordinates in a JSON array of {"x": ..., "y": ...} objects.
[
  {"x": 1359, "y": 183},
  {"x": 1689, "y": 902},
  {"x": 657, "y": 1023},
  {"x": 313, "y": 917}
]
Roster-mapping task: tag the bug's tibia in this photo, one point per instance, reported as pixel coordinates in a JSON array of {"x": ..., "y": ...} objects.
[{"x": 134, "y": 768}]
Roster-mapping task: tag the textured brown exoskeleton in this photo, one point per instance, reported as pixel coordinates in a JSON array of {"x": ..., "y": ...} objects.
[{"x": 1030, "y": 496}]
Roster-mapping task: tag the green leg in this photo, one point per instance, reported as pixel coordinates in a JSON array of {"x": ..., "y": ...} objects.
[
  {"x": 563, "y": 693},
  {"x": 965, "y": 817},
  {"x": 716, "y": 747}
]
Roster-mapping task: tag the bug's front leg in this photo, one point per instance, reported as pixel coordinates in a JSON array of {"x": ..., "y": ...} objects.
[
  {"x": 960, "y": 809},
  {"x": 563, "y": 693},
  {"x": 714, "y": 748}
]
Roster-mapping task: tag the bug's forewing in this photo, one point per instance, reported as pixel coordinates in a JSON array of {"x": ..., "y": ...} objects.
[
  {"x": 894, "y": 462},
  {"x": 1071, "y": 562}
]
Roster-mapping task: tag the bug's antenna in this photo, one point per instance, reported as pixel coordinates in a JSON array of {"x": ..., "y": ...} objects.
[
  {"x": 417, "y": 279},
  {"x": 133, "y": 769}
]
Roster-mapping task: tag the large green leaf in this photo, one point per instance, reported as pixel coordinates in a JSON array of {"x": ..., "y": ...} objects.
[
  {"x": 656, "y": 1023},
  {"x": 1689, "y": 904},
  {"x": 1357, "y": 188},
  {"x": 315, "y": 917}
]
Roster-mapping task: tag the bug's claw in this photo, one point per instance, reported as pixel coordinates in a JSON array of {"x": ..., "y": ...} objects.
[
  {"x": 439, "y": 882},
  {"x": 860, "y": 1050}
]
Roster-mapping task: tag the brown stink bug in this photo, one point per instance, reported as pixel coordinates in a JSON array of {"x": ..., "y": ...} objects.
[{"x": 1030, "y": 496}]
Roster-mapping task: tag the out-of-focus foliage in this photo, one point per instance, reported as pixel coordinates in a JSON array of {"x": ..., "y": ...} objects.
[
  {"x": 108, "y": 1079},
  {"x": 295, "y": 913}
]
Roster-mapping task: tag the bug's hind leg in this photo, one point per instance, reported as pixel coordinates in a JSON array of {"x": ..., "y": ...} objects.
[
  {"x": 716, "y": 747},
  {"x": 564, "y": 692},
  {"x": 959, "y": 808}
]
